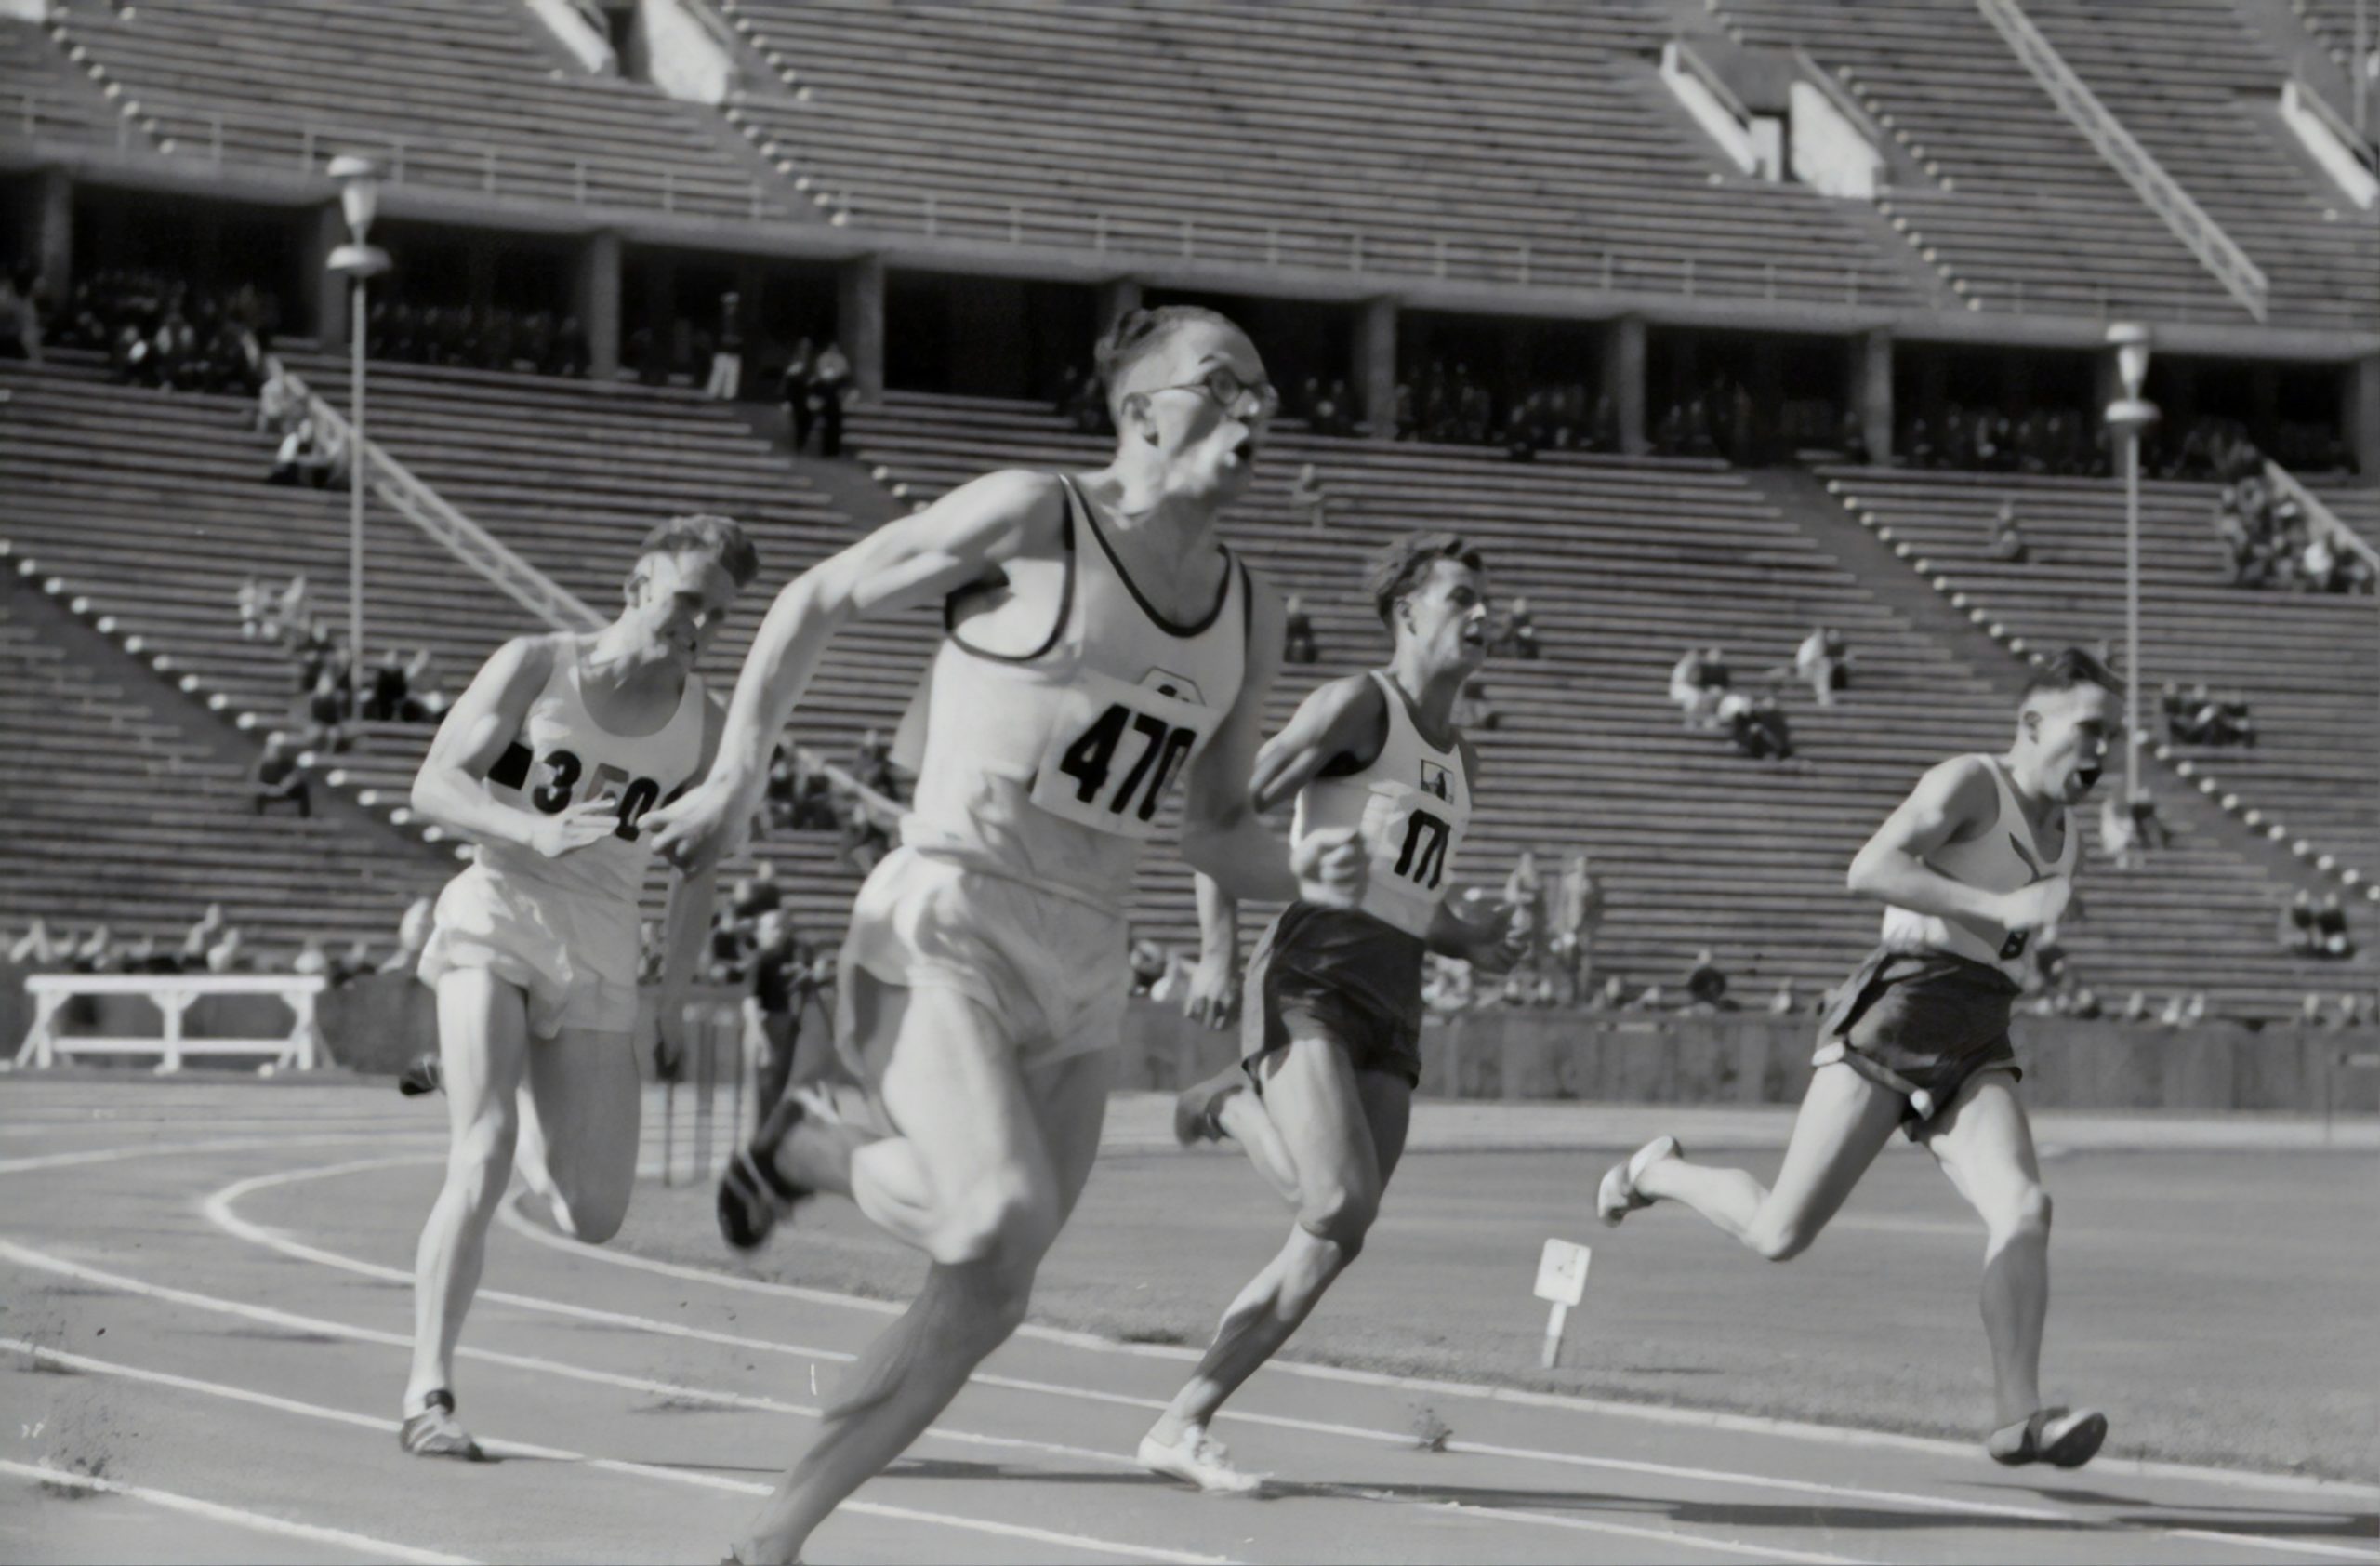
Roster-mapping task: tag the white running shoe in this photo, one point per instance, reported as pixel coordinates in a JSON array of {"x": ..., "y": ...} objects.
[
  {"x": 1618, "y": 1196},
  {"x": 1196, "y": 1458}
]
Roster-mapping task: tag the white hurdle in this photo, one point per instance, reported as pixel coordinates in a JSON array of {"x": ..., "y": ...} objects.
[{"x": 172, "y": 995}]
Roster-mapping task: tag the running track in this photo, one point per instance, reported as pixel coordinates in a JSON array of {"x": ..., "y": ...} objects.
[{"x": 207, "y": 1311}]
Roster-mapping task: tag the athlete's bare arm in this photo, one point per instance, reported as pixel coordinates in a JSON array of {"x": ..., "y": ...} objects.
[
  {"x": 1222, "y": 836},
  {"x": 926, "y": 555},
  {"x": 484, "y": 721},
  {"x": 1214, "y": 993},
  {"x": 685, "y": 929},
  {"x": 1955, "y": 803},
  {"x": 1491, "y": 947}
]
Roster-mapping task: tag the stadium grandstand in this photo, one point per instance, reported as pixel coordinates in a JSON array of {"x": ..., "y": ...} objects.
[{"x": 1739, "y": 275}]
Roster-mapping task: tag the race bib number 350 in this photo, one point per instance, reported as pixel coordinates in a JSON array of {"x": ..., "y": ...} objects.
[{"x": 1115, "y": 752}]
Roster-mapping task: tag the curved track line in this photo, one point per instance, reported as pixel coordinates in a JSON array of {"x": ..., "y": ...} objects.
[
  {"x": 259, "y": 1522},
  {"x": 2337, "y": 1491},
  {"x": 609, "y": 1465},
  {"x": 169, "y": 1150},
  {"x": 217, "y": 1207}
]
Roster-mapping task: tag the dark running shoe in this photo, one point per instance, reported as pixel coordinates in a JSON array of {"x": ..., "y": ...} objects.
[
  {"x": 422, "y": 1074},
  {"x": 752, "y": 1195},
  {"x": 434, "y": 1433}
]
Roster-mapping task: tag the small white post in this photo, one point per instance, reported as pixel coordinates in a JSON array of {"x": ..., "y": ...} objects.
[
  {"x": 1561, "y": 1279},
  {"x": 172, "y": 1003}
]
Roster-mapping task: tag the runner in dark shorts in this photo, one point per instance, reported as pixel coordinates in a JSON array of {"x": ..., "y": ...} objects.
[
  {"x": 1971, "y": 867},
  {"x": 1332, "y": 1040}
]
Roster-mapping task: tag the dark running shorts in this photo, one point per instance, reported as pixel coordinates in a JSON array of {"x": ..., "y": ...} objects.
[
  {"x": 1921, "y": 1024},
  {"x": 1325, "y": 973}
]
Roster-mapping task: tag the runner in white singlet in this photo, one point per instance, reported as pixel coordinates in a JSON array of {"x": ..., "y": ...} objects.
[
  {"x": 1977, "y": 860},
  {"x": 550, "y": 764},
  {"x": 1333, "y": 1039},
  {"x": 1103, "y": 648}
]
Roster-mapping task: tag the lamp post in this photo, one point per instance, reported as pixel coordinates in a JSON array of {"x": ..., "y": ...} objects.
[
  {"x": 2128, "y": 415},
  {"x": 358, "y": 199}
]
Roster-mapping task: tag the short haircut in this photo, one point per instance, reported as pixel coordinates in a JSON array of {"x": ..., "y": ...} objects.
[
  {"x": 721, "y": 538},
  {"x": 1403, "y": 566},
  {"x": 2071, "y": 670},
  {"x": 1141, "y": 333}
]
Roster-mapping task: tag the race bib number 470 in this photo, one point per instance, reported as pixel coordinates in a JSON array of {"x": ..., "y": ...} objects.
[{"x": 1114, "y": 753}]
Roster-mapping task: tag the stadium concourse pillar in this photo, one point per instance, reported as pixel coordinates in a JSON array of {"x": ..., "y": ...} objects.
[
  {"x": 2361, "y": 402},
  {"x": 1118, "y": 298},
  {"x": 859, "y": 321},
  {"x": 330, "y": 287},
  {"x": 1376, "y": 366},
  {"x": 1871, "y": 391},
  {"x": 596, "y": 301},
  {"x": 53, "y": 231},
  {"x": 1623, "y": 379}
]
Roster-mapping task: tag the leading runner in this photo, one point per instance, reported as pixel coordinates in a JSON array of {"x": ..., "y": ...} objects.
[
  {"x": 1978, "y": 857},
  {"x": 1102, "y": 645}
]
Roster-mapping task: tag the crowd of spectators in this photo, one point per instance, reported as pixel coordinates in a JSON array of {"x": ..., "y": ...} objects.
[
  {"x": 21, "y": 310},
  {"x": 2311, "y": 928},
  {"x": 476, "y": 337},
  {"x": 2265, "y": 540},
  {"x": 163, "y": 333},
  {"x": 213, "y": 944},
  {"x": 2197, "y": 716},
  {"x": 802, "y": 796},
  {"x": 1702, "y": 685},
  {"x": 817, "y": 390}
]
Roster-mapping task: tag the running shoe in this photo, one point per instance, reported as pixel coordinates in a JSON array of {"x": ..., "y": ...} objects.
[
  {"x": 1194, "y": 1106},
  {"x": 1618, "y": 1196},
  {"x": 1196, "y": 1458},
  {"x": 2056, "y": 1436},
  {"x": 434, "y": 1433},
  {"x": 422, "y": 1074},
  {"x": 752, "y": 1195}
]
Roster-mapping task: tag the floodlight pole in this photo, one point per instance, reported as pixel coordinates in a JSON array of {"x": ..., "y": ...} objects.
[
  {"x": 2129, "y": 416},
  {"x": 358, "y": 262}
]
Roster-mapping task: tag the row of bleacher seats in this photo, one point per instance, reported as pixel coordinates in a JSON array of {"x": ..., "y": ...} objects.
[
  {"x": 1625, "y": 564},
  {"x": 448, "y": 93},
  {"x": 2308, "y": 665},
  {"x": 117, "y": 816},
  {"x": 43, "y": 98},
  {"x": 1394, "y": 139},
  {"x": 2025, "y": 213}
]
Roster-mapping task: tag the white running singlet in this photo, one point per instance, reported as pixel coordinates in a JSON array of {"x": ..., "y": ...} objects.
[
  {"x": 1411, "y": 807},
  {"x": 1053, "y": 766},
  {"x": 562, "y": 755},
  {"x": 2003, "y": 859}
]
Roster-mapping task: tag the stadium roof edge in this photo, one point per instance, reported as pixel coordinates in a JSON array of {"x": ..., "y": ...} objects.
[{"x": 823, "y": 242}]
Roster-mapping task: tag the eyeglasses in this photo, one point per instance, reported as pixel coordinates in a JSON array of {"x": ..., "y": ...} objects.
[{"x": 1230, "y": 394}]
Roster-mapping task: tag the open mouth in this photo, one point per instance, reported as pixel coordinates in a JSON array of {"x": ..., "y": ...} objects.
[
  {"x": 1245, "y": 452},
  {"x": 2088, "y": 776}
]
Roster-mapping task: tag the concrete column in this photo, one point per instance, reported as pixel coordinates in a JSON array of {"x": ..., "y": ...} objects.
[
  {"x": 54, "y": 231},
  {"x": 1117, "y": 299},
  {"x": 330, "y": 289},
  {"x": 595, "y": 300},
  {"x": 859, "y": 321},
  {"x": 1871, "y": 391},
  {"x": 2359, "y": 407},
  {"x": 1623, "y": 379},
  {"x": 1376, "y": 366}
]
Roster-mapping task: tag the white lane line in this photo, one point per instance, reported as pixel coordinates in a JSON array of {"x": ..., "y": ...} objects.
[
  {"x": 219, "y": 1209},
  {"x": 259, "y": 1522},
  {"x": 2340, "y": 1493},
  {"x": 609, "y": 1465},
  {"x": 2301, "y": 1546},
  {"x": 170, "y": 1149},
  {"x": 1587, "y": 1525}
]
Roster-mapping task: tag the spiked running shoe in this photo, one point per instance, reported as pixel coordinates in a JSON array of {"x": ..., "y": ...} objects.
[
  {"x": 422, "y": 1074},
  {"x": 434, "y": 1433},
  {"x": 1196, "y": 1458},
  {"x": 752, "y": 1195},
  {"x": 2056, "y": 1436},
  {"x": 1618, "y": 1196}
]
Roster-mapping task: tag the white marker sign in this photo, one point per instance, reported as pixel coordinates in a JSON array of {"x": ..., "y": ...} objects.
[{"x": 1561, "y": 1278}]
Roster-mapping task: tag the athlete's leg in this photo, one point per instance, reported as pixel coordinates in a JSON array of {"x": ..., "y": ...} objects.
[
  {"x": 1344, "y": 1131},
  {"x": 1985, "y": 1145},
  {"x": 581, "y": 1107},
  {"x": 1242, "y": 1116},
  {"x": 1843, "y": 1124},
  {"x": 483, "y": 1047},
  {"x": 974, "y": 1181}
]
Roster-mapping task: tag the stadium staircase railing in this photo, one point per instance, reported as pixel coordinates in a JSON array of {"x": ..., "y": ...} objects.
[{"x": 2162, "y": 194}]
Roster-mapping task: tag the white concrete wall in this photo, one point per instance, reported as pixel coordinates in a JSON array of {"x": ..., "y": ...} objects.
[
  {"x": 683, "y": 57},
  {"x": 1830, "y": 154}
]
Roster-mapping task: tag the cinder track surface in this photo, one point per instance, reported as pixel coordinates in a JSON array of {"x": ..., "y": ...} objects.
[{"x": 209, "y": 1307}]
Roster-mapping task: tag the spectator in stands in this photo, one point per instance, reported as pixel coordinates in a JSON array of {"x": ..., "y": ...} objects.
[
  {"x": 1757, "y": 725},
  {"x": 1524, "y": 894},
  {"x": 36, "y": 949},
  {"x": 20, "y": 330},
  {"x": 279, "y": 779},
  {"x": 2295, "y": 932},
  {"x": 1297, "y": 632},
  {"x": 2330, "y": 929},
  {"x": 425, "y": 703},
  {"x": 1782, "y": 1003},
  {"x": 413, "y": 934},
  {"x": 229, "y": 954},
  {"x": 387, "y": 693},
  {"x": 1706, "y": 986},
  {"x": 2118, "y": 840},
  {"x": 1696, "y": 696},
  {"x": 2183, "y": 1011},
  {"x": 1819, "y": 662},
  {"x": 2148, "y": 825},
  {"x": 312, "y": 960},
  {"x": 1308, "y": 496},
  {"x": 289, "y": 614},
  {"x": 794, "y": 387},
  {"x": 327, "y": 710},
  {"x": 256, "y": 605},
  {"x": 95, "y": 953},
  {"x": 1578, "y": 913},
  {"x": 727, "y": 351},
  {"x": 2007, "y": 542},
  {"x": 1517, "y": 636},
  {"x": 203, "y": 933},
  {"x": 779, "y": 970},
  {"x": 872, "y": 765},
  {"x": 760, "y": 893},
  {"x": 830, "y": 387}
]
